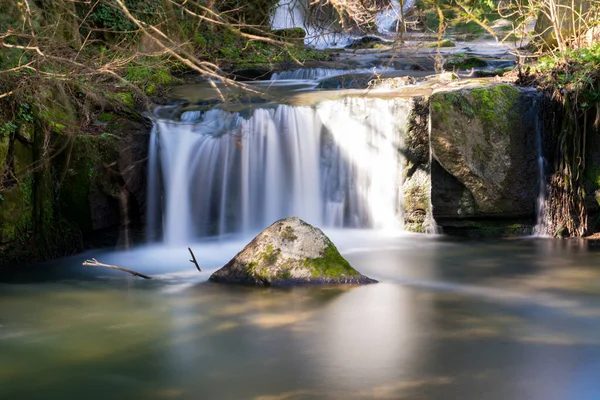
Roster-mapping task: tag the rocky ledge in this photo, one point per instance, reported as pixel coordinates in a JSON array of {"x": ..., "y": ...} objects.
[{"x": 289, "y": 252}]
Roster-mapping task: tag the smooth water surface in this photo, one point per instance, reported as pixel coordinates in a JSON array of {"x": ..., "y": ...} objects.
[{"x": 515, "y": 319}]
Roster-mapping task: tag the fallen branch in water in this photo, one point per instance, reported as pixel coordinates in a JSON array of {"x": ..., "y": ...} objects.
[
  {"x": 94, "y": 263},
  {"x": 193, "y": 260}
]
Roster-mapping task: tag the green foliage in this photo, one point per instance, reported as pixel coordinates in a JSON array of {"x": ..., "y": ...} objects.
[
  {"x": 149, "y": 77},
  {"x": 574, "y": 71},
  {"x": 228, "y": 47},
  {"x": 24, "y": 115},
  {"x": 123, "y": 98},
  {"x": 461, "y": 19},
  {"x": 290, "y": 33},
  {"x": 109, "y": 16},
  {"x": 8, "y": 128}
]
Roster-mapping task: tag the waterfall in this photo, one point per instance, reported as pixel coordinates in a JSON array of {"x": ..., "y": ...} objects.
[
  {"x": 364, "y": 156},
  {"x": 153, "y": 189},
  {"x": 295, "y": 14},
  {"x": 387, "y": 19},
  {"x": 541, "y": 228},
  {"x": 336, "y": 164}
]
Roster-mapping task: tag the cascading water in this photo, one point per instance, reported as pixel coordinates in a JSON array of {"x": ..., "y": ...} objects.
[
  {"x": 336, "y": 164},
  {"x": 153, "y": 191},
  {"x": 540, "y": 222},
  {"x": 387, "y": 21},
  {"x": 295, "y": 14},
  {"x": 319, "y": 73}
]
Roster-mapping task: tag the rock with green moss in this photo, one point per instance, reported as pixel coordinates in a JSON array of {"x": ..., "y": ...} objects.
[
  {"x": 459, "y": 62},
  {"x": 483, "y": 143},
  {"x": 443, "y": 43},
  {"x": 289, "y": 252},
  {"x": 416, "y": 186},
  {"x": 290, "y": 33}
]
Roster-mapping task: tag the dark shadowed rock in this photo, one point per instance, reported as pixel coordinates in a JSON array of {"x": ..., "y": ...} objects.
[
  {"x": 289, "y": 252},
  {"x": 366, "y": 42}
]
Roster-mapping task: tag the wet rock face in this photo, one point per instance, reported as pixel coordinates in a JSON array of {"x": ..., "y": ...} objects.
[
  {"x": 289, "y": 252},
  {"x": 88, "y": 186},
  {"x": 416, "y": 187},
  {"x": 483, "y": 143}
]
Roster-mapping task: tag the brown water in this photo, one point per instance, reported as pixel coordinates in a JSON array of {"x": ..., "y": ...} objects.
[{"x": 450, "y": 320}]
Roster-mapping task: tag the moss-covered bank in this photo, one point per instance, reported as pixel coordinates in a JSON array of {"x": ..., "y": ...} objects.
[{"x": 59, "y": 187}]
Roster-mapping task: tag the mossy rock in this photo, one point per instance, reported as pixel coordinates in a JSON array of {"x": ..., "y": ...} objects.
[
  {"x": 417, "y": 191},
  {"x": 290, "y": 33},
  {"x": 366, "y": 42},
  {"x": 485, "y": 139},
  {"x": 442, "y": 43},
  {"x": 289, "y": 252},
  {"x": 458, "y": 62}
]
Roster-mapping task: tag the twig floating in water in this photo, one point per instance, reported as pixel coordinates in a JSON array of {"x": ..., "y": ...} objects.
[
  {"x": 94, "y": 263},
  {"x": 193, "y": 260}
]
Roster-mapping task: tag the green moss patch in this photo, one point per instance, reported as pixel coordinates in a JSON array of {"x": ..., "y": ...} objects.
[{"x": 330, "y": 265}]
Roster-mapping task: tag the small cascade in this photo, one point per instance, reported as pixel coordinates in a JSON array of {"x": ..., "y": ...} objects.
[
  {"x": 363, "y": 164},
  {"x": 293, "y": 14},
  {"x": 319, "y": 73},
  {"x": 387, "y": 21},
  {"x": 296, "y": 14},
  {"x": 153, "y": 194},
  {"x": 336, "y": 164},
  {"x": 541, "y": 228}
]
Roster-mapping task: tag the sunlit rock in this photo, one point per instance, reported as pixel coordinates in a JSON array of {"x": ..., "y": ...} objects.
[
  {"x": 484, "y": 166},
  {"x": 289, "y": 252}
]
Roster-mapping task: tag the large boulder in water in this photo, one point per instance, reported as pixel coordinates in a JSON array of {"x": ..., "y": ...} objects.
[
  {"x": 289, "y": 252},
  {"x": 484, "y": 172}
]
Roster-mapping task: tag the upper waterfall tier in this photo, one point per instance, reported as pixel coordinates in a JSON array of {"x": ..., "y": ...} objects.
[
  {"x": 321, "y": 30},
  {"x": 337, "y": 164}
]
